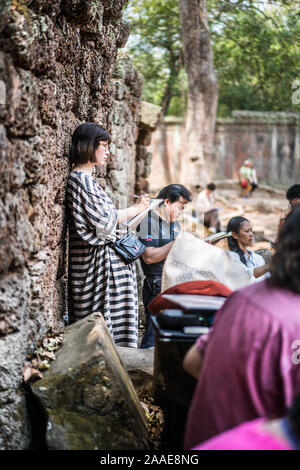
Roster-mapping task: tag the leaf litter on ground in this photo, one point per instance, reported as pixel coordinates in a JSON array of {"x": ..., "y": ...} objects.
[
  {"x": 42, "y": 356},
  {"x": 154, "y": 418}
]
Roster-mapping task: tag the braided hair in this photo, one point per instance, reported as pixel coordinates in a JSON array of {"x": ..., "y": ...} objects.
[{"x": 234, "y": 225}]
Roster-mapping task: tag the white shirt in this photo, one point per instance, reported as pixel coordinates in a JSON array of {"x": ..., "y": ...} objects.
[
  {"x": 253, "y": 176},
  {"x": 253, "y": 261},
  {"x": 204, "y": 202}
]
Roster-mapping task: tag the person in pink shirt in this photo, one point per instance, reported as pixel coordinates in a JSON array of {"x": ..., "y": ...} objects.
[
  {"x": 260, "y": 434},
  {"x": 248, "y": 365}
]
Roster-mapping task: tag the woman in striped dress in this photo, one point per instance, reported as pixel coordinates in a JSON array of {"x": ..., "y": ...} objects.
[{"x": 99, "y": 280}]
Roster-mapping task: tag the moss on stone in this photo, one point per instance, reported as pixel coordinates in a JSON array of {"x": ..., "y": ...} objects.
[{"x": 90, "y": 432}]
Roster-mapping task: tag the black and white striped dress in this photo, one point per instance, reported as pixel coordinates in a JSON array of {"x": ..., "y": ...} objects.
[{"x": 99, "y": 280}]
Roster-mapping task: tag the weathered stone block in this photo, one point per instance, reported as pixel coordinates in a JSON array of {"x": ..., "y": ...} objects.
[
  {"x": 120, "y": 89},
  {"x": 21, "y": 99},
  {"x": 14, "y": 434},
  {"x": 30, "y": 37},
  {"x": 144, "y": 138},
  {"x": 89, "y": 398},
  {"x": 140, "y": 167},
  {"x": 14, "y": 294},
  {"x": 123, "y": 69},
  {"x": 88, "y": 14},
  {"x": 149, "y": 116},
  {"x": 123, "y": 34},
  {"x": 139, "y": 365},
  {"x": 141, "y": 152},
  {"x": 141, "y": 184}
]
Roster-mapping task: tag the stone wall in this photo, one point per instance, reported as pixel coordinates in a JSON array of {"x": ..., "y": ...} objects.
[
  {"x": 58, "y": 68},
  {"x": 271, "y": 140}
]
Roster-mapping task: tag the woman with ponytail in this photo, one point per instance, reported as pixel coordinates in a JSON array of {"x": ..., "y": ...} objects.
[{"x": 241, "y": 238}]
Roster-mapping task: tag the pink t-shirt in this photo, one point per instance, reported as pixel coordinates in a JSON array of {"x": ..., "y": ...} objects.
[
  {"x": 250, "y": 366},
  {"x": 247, "y": 436}
]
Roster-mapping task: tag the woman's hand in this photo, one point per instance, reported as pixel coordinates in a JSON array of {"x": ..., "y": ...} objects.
[
  {"x": 192, "y": 362},
  {"x": 132, "y": 211},
  {"x": 143, "y": 203},
  {"x": 261, "y": 270}
]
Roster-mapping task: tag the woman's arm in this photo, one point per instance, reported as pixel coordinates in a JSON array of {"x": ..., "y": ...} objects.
[
  {"x": 126, "y": 214},
  {"x": 192, "y": 362},
  {"x": 155, "y": 254},
  {"x": 261, "y": 270},
  {"x": 132, "y": 211}
]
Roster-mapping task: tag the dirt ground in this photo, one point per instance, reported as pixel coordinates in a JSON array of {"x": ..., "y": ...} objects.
[{"x": 264, "y": 209}]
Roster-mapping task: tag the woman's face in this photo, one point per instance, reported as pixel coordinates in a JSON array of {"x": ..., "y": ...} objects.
[
  {"x": 245, "y": 236},
  {"x": 102, "y": 153}
]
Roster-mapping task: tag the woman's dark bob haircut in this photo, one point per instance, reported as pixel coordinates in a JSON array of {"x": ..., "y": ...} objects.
[
  {"x": 85, "y": 141},
  {"x": 285, "y": 265}
]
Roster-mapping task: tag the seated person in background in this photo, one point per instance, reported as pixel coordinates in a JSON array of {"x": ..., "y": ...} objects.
[
  {"x": 206, "y": 210},
  {"x": 158, "y": 231},
  {"x": 293, "y": 196},
  {"x": 246, "y": 365},
  {"x": 253, "y": 177},
  {"x": 261, "y": 434},
  {"x": 241, "y": 238},
  {"x": 245, "y": 178}
]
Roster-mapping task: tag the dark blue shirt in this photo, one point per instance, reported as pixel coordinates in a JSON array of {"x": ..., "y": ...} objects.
[{"x": 157, "y": 232}]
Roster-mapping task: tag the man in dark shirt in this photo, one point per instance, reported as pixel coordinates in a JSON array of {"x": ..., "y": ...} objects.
[{"x": 158, "y": 231}]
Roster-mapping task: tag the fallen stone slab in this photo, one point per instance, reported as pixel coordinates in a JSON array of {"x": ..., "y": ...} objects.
[
  {"x": 88, "y": 396},
  {"x": 138, "y": 363}
]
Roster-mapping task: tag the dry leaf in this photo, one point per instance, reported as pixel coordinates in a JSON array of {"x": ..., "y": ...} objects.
[
  {"x": 145, "y": 407},
  {"x": 44, "y": 365},
  {"x": 34, "y": 363},
  {"x": 30, "y": 374},
  {"x": 48, "y": 355}
]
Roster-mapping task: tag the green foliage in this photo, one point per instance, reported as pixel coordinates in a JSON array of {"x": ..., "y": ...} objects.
[
  {"x": 155, "y": 48},
  {"x": 256, "y": 52},
  {"x": 257, "y": 59}
]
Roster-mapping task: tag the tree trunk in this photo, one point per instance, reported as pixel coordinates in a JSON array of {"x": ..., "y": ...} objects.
[
  {"x": 165, "y": 102},
  {"x": 202, "y": 93},
  {"x": 175, "y": 63}
]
